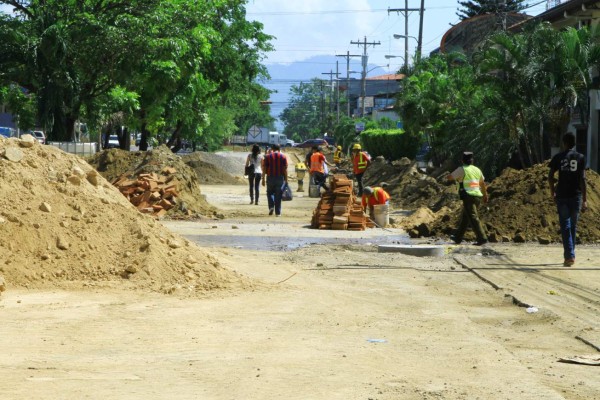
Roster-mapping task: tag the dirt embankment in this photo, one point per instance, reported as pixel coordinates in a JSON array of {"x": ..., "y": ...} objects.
[
  {"x": 66, "y": 226},
  {"x": 520, "y": 207},
  {"x": 114, "y": 163}
]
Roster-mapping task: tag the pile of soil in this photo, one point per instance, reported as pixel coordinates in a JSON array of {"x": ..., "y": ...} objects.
[
  {"x": 409, "y": 187},
  {"x": 114, "y": 163},
  {"x": 213, "y": 169},
  {"x": 520, "y": 209},
  {"x": 66, "y": 226}
]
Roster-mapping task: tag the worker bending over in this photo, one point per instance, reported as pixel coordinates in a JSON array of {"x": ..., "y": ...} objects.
[
  {"x": 317, "y": 167},
  {"x": 373, "y": 196}
]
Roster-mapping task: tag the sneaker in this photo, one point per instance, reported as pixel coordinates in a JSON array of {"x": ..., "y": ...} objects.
[
  {"x": 271, "y": 211},
  {"x": 481, "y": 242},
  {"x": 278, "y": 215},
  {"x": 568, "y": 262},
  {"x": 251, "y": 202},
  {"x": 256, "y": 203}
]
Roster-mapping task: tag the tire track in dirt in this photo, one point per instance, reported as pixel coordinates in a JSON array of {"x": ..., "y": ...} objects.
[{"x": 568, "y": 295}]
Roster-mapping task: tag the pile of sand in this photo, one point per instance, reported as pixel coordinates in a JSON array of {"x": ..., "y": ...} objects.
[
  {"x": 212, "y": 169},
  {"x": 65, "y": 226},
  {"x": 113, "y": 163}
]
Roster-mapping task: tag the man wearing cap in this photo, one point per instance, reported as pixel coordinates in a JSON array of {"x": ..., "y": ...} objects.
[
  {"x": 360, "y": 162},
  {"x": 373, "y": 196},
  {"x": 471, "y": 190},
  {"x": 337, "y": 156},
  {"x": 317, "y": 167}
]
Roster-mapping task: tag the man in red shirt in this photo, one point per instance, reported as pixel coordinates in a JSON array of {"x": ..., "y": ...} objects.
[
  {"x": 275, "y": 172},
  {"x": 317, "y": 167}
]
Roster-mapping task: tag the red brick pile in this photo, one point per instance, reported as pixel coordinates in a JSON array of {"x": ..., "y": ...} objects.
[
  {"x": 151, "y": 193},
  {"x": 338, "y": 209}
]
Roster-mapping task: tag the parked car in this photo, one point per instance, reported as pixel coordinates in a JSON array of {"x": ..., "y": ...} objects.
[
  {"x": 40, "y": 136},
  {"x": 113, "y": 142},
  {"x": 312, "y": 142}
]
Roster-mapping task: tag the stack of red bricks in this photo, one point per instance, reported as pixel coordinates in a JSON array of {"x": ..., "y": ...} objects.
[
  {"x": 338, "y": 209},
  {"x": 151, "y": 193}
]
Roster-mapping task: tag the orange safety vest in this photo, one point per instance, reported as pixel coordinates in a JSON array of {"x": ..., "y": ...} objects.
[
  {"x": 360, "y": 162},
  {"x": 379, "y": 196},
  {"x": 316, "y": 163}
]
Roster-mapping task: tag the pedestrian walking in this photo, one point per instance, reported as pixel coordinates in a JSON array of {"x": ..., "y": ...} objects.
[
  {"x": 360, "y": 162},
  {"x": 254, "y": 172},
  {"x": 275, "y": 175},
  {"x": 569, "y": 193},
  {"x": 471, "y": 190},
  {"x": 318, "y": 165}
]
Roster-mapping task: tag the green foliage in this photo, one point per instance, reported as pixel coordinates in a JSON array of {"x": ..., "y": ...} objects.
[
  {"x": 304, "y": 114},
  {"x": 480, "y": 7},
  {"x": 21, "y": 105},
  {"x": 392, "y": 144}
]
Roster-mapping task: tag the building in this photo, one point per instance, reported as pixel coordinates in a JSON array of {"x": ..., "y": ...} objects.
[{"x": 380, "y": 95}]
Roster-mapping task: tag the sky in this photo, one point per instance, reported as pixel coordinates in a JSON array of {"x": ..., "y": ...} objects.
[{"x": 310, "y": 33}]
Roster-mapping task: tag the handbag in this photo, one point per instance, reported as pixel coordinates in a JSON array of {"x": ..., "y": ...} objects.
[
  {"x": 286, "y": 192},
  {"x": 249, "y": 170}
]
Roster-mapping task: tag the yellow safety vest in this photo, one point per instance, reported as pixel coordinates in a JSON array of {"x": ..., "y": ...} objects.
[
  {"x": 471, "y": 180},
  {"x": 337, "y": 156}
]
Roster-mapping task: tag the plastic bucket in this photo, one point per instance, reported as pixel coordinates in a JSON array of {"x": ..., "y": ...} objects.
[
  {"x": 381, "y": 215},
  {"x": 313, "y": 190}
]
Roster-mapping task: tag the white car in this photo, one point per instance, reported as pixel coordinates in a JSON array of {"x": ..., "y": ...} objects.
[
  {"x": 113, "y": 142},
  {"x": 289, "y": 143},
  {"x": 39, "y": 135}
]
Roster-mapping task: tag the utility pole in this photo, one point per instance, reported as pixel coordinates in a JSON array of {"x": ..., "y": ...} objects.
[
  {"x": 420, "y": 44},
  {"x": 331, "y": 74},
  {"x": 365, "y": 59},
  {"x": 406, "y": 12},
  {"x": 347, "y": 56}
]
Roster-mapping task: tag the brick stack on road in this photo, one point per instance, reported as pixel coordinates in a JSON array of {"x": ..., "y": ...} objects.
[
  {"x": 338, "y": 209},
  {"x": 151, "y": 193}
]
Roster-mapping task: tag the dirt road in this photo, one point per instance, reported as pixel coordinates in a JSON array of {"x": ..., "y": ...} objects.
[{"x": 329, "y": 318}]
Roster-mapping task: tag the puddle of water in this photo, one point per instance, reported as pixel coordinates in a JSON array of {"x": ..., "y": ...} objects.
[{"x": 277, "y": 243}]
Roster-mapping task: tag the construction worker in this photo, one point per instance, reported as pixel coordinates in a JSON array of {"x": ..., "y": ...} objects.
[
  {"x": 360, "y": 162},
  {"x": 317, "y": 167},
  {"x": 471, "y": 190},
  {"x": 373, "y": 196},
  {"x": 338, "y": 155}
]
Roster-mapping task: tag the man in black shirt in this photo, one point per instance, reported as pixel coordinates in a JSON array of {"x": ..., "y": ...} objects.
[{"x": 569, "y": 193}]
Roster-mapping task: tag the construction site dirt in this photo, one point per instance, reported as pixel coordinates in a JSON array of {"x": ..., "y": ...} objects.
[{"x": 101, "y": 301}]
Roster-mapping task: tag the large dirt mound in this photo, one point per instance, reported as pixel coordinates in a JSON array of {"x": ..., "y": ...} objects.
[
  {"x": 521, "y": 209},
  {"x": 408, "y": 187},
  {"x": 114, "y": 163},
  {"x": 65, "y": 226},
  {"x": 213, "y": 169}
]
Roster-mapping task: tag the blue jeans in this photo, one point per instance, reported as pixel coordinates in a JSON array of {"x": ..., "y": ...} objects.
[
  {"x": 568, "y": 213},
  {"x": 274, "y": 184}
]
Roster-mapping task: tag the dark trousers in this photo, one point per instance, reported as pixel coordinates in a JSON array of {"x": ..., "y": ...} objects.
[
  {"x": 359, "y": 181},
  {"x": 320, "y": 179},
  {"x": 274, "y": 184},
  {"x": 254, "y": 181},
  {"x": 568, "y": 214},
  {"x": 470, "y": 216}
]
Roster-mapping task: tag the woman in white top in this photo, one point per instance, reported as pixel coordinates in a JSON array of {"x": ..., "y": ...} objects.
[{"x": 255, "y": 159}]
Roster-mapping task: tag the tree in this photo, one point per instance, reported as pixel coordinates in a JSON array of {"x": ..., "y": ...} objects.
[
  {"x": 481, "y": 7},
  {"x": 304, "y": 114}
]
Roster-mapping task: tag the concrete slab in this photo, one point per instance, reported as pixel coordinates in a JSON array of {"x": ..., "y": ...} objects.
[{"x": 413, "y": 250}]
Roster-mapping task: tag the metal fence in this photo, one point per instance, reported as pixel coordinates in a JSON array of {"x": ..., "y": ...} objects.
[{"x": 78, "y": 148}]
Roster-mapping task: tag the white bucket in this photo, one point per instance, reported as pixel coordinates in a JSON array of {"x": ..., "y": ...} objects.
[
  {"x": 381, "y": 215},
  {"x": 313, "y": 190}
]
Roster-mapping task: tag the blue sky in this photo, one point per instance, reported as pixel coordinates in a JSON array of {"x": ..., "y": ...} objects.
[{"x": 310, "y": 33}]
